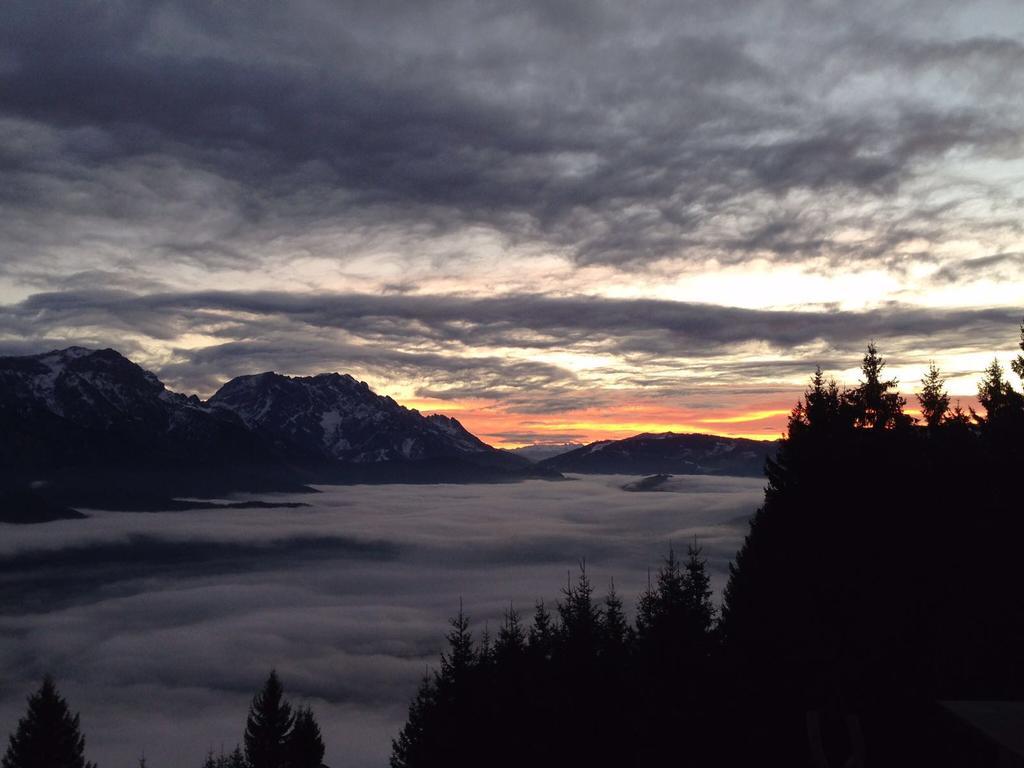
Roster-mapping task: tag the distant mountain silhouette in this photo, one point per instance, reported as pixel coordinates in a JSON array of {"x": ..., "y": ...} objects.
[
  {"x": 541, "y": 451},
  {"x": 667, "y": 453},
  {"x": 334, "y": 418},
  {"x": 91, "y": 428}
]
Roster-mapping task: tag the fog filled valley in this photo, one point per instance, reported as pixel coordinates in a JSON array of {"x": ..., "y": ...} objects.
[{"x": 160, "y": 626}]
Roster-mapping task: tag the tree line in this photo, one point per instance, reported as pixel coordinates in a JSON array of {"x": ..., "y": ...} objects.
[
  {"x": 276, "y": 734},
  {"x": 880, "y": 576},
  {"x": 566, "y": 688}
]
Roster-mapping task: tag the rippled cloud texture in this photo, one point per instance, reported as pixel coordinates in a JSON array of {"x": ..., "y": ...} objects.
[
  {"x": 159, "y": 627},
  {"x": 560, "y": 219}
]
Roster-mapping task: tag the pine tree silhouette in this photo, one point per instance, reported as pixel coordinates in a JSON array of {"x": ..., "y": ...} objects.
[
  {"x": 1018, "y": 362},
  {"x": 460, "y": 657},
  {"x": 997, "y": 395},
  {"x": 697, "y": 594},
  {"x": 48, "y": 735},
  {"x": 511, "y": 641},
  {"x": 411, "y": 749},
  {"x": 234, "y": 760},
  {"x": 304, "y": 744},
  {"x": 876, "y": 403},
  {"x": 542, "y": 633},
  {"x": 933, "y": 398},
  {"x": 267, "y": 727},
  {"x": 616, "y": 628}
]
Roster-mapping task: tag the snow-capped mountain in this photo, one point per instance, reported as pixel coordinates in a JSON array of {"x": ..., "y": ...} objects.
[
  {"x": 667, "y": 452},
  {"x": 92, "y": 427},
  {"x": 333, "y": 416},
  {"x": 75, "y": 407}
]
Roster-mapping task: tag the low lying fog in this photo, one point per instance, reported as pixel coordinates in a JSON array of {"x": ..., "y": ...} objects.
[{"x": 160, "y": 626}]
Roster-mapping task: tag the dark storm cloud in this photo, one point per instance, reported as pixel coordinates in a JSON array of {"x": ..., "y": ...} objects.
[
  {"x": 529, "y": 321},
  {"x": 617, "y": 134}
]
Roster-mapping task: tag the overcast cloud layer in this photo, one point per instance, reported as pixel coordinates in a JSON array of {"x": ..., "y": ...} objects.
[
  {"x": 160, "y": 626},
  {"x": 521, "y": 208}
]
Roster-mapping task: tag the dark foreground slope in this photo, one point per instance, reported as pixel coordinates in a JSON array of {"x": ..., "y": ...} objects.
[
  {"x": 879, "y": 581},
  {"x": 667, "y": 453}
]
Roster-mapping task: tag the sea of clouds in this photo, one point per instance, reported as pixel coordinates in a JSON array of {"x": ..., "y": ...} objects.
[{"x": 160, "y": 626}]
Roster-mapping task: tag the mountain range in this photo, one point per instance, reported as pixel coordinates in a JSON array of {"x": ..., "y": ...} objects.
[
  {"x": 541, "y": 451},
  {"x": 92, "y": 428},
  {"x": 666, "y": 453}
]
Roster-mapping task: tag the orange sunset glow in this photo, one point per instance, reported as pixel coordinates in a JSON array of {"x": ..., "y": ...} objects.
[{"x": 500, "y": 428}]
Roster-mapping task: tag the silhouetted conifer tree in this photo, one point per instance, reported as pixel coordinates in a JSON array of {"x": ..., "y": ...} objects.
[
  {"x": 616, "y": 628},
  {"x": 580, "y": 618},
  {"x": 234, "y": 760},
  {"x": 542, "y": 632},
  {"x": 876, "y": 403},
  {"x": 933, "y": 397},
  {"x": 412, "y": 747},
  {"x": 485, "y": 654},
  {"x": 1018, "y": 362},
  {"x": 460, "y": 657},
  {"x": 304, "y": 745},
  {"x": 697, "y": 593},
  {"x": 267, "y": 727},
  {"x": 645, "y": 608},
  {"x": 511, "y": 641},
  {"x": 996, "y": 395},
  {"x": 48, "y": 735}
]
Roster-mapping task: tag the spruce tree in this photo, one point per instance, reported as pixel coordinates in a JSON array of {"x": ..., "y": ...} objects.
[
  {"x": 996, "y": 395},
  {"x": 511, "y": 640},
  {"x": 460, "y": 658},
  {"x": 933, "y": 398},
  {"x": 237, "y": 759},
  {"x": 616, "y": 629},
  {"x": 581, "y": 619},
  {"x": 485, "y": 655},
  {"x": 1018, "y": 362},
  {"x": 411, "y": 748},
  {"x": 48, "y": 735},
  {"x": 646, "y": 608},
  {"x": 697, "y": 593},
  {"x": 542, "y": 633},
  {"x": 305, "y": 747},
  {"x": 875, "y": 402},
  {"x": 266, "y": 729}
]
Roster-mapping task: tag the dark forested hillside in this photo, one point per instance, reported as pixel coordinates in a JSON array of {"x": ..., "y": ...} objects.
[{"x": 880, "y": 578}]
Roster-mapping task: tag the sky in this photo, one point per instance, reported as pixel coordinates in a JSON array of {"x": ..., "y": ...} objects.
[
  {"x": 159, "y": 627},
  {"x": 553, "y": 219}
]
